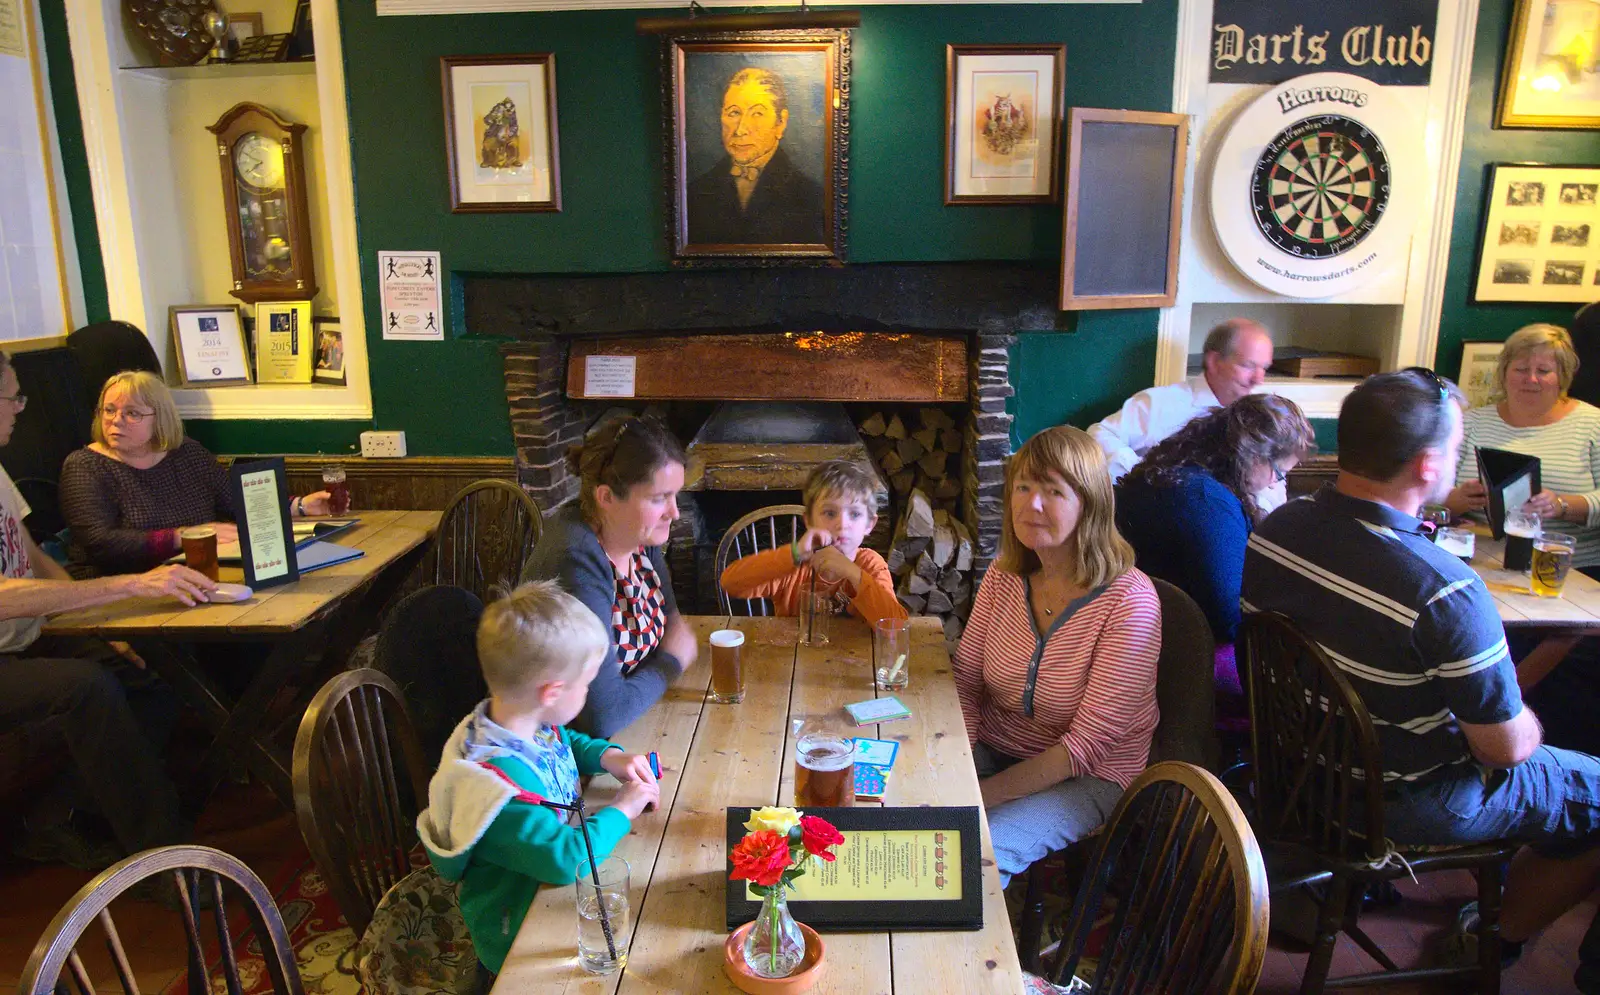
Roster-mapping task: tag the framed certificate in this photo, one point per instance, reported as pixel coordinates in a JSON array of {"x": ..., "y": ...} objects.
[
  {"x": 266, "y": 536},
  {"x": 898, "y": 868},
  {"x": 285, "y": 342},
  {"x": 209, "y": 341}
]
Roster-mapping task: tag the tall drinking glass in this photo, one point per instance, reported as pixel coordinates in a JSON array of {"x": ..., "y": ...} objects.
[
  {"x": 727, "y": 666},
  {"x": 1522, "y": 528},
  {"x": 603, "y": 919},
  {"x": 824, "y": 764},
  {"x": 200, "y": 549},
  {"x": 1552, "y": 561},
  {"x": 815, "y": 610},
  {"x": 891, "y": 653}
]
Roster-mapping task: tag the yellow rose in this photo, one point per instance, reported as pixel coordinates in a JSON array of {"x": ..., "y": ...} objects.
[{"x": 779, "y": 820}]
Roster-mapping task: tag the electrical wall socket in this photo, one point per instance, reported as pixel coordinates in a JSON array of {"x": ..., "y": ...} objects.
[{"x": 383, "y": 445}]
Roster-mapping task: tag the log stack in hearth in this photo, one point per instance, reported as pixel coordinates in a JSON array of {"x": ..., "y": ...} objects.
[{"x": 923, "y": 455}]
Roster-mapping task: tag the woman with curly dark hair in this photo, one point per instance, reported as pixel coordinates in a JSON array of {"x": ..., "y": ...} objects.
[{"x": 1189, "y": 507}]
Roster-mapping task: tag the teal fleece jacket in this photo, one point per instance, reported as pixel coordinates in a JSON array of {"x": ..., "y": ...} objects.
[{"x": 480, "y": 832}]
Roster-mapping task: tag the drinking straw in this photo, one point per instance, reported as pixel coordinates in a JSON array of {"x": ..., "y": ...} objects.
[
  {"x": 899, "y": 662},
  {"x": 594, "y": 873},
  {"x": 811, "y": 608}
]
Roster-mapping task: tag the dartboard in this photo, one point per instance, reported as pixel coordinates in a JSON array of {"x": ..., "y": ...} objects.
[{"x": 1320, "y": 186}]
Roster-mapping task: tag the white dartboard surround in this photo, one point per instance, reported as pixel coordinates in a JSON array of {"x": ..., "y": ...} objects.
[{"x": 1315, "y": 188}]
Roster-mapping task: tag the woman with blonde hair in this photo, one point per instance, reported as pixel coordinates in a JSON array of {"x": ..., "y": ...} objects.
[
  {"x": 1532, "y": 414},
  {"x": 1057, "y": 667},
  {"x": 127, "y": 493}
]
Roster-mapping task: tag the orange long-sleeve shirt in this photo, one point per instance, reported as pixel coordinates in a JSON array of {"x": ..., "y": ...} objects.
[{"x": 773, "y": 574}]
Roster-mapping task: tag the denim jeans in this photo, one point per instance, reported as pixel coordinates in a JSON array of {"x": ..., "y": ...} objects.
[{"x": 1028, "y": 829}]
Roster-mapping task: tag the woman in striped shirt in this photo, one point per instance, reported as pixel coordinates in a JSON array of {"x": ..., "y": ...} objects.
[
  {"x": 1534, "y": 416},
  {"x": 1057, "y": 667}
]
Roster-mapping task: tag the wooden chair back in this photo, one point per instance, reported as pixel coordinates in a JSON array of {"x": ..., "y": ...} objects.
[
  {"x": 1179, "y": 865},
  {"x": 765, "y": 528},
  {"x": 358, "y": 809},
  {"x": 1318, "y": 772},
  {"x": 1185, "y": 691},
  {"x": 196, "y": 870},
  {"x": 485, "y": 536}
]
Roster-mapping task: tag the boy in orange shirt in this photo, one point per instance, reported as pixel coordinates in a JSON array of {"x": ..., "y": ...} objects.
[{"x": 839, "y": 499}]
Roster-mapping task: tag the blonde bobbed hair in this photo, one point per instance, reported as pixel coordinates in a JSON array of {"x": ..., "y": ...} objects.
[
  {"x": 148, "y": 390},
  {"x": 1529, "y": 338},
  {"x": 1100, "y": 554}
]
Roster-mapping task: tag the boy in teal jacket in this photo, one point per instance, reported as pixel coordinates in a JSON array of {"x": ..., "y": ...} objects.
[{"x": 539, "y": 649}]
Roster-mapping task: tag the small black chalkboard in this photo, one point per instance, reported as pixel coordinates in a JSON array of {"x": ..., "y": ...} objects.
[{"x": 923, "y": 871}]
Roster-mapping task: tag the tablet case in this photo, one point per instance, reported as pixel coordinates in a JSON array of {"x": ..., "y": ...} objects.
[
  {"x": 1499, "y": 469},
  {"x": 965, "y": 913}
]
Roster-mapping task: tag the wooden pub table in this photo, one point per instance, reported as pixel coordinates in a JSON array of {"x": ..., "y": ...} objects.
[
  {"x": 319, "y": 617},
  {"x": 1575, "y": 613},
  {"x": 716, "y": 756}
]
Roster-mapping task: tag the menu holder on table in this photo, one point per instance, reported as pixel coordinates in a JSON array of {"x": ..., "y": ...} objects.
[
  {"x": 1509, "y": 479},
  {"x": 266, "y": 537},
  {"x": 899, "y": 868}
]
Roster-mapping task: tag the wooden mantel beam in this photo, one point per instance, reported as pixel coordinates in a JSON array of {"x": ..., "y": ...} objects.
[{"x": 784, "y": 366}]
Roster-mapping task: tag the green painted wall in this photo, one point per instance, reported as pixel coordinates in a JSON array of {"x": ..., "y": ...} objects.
[
  {"x": 448, "y": 396},
  {"x": 74, "y": 161},
  {"x": 1460, "y": 320}
]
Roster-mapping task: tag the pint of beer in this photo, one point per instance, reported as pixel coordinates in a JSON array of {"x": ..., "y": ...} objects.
[
  {"x": 1552, "y": 561},
  {"x": 824, "y": 767},
  {"x": 727, "y": 666},
  {"x": 200, "y": 549},
  {"x": 1521, "y": 530}
]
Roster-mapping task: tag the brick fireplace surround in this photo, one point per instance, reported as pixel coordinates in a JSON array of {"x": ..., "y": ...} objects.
[{"x": 539, "y": 315}]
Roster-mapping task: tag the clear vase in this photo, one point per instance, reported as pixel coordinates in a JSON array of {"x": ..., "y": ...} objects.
[{"x": 775, "y": 946}]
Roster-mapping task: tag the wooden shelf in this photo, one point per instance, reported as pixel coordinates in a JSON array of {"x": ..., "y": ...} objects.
[{"x": 215, "y": 70}]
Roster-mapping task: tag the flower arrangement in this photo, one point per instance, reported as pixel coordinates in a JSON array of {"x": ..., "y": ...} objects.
[{"x": 779, "y": 845}]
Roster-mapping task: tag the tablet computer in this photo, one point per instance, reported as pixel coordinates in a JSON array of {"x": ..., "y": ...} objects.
[{"x": 1509, "y": 479}]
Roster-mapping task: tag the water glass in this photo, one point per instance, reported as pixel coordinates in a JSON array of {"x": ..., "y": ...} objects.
[
  {"x": 603, "y": 919},
  {"x": 891, "y": 653},
  {"x": 338, "y": 488},
  {"x": 815, "y": 610}
]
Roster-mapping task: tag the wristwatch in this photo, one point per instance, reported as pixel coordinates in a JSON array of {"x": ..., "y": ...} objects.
[{"x": 1561, "y": 501}]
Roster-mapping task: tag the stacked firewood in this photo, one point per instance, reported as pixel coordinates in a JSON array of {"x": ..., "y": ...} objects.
[
  {"x": 925, "y": 457},
  {"x": 930, "y": 556}
]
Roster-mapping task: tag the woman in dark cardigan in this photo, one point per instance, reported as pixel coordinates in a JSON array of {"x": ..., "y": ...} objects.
[
  {"x": 607, "y": 551},
  {"x": 126, "y": 494},
  {"x": 1189, "y": 507}
]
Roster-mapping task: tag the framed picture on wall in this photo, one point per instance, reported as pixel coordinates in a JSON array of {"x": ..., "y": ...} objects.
[
  {"x": 757, "y": 132},
  {"x": 1479, "y": 360},
  {"x": 500, "y": 132},
  {"x": 1551, "y": 76},
  {"x": 1541, "y": 235},
  {"x": 1002, "y": 123},
  {"x": 329, "y": 364}
]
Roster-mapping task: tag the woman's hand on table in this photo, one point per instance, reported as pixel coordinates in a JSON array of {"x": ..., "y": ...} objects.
[
  {"x": 315, "y": 504},
  {"x": 1551, "y": 506},
  {"x": 172, "y": 579},
  {"x": 680, "y": 642},
  {"x": 627, "y": 767},
  {"x": 1470, "y": 496}
]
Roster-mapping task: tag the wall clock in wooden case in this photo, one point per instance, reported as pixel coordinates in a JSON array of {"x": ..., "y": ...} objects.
[{"x": 262, "y": 157}]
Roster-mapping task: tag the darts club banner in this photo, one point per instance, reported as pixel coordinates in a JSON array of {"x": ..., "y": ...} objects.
[
  {"x": 1269, "y": 41},
  {"x": 1314, "y": 188}
]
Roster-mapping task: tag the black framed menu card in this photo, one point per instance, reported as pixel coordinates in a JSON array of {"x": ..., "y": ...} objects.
[
  {"x": 1510, "y": 479},
  {"x": 266, "y": 536},
  {"x": 898, "y": 868}
]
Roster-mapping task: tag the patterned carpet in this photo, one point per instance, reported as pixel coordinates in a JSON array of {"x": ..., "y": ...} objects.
[{"x": 323, "y": 943}]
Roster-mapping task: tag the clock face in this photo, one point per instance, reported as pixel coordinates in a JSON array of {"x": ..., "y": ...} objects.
[
  {"x": 1320, "y": 186},
  {"x": 258, "y": 160}
]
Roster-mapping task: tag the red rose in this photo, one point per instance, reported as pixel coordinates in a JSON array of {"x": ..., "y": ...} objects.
[
  {"x": 817, "y": 835},
  {"x": 761, "y": 857}
]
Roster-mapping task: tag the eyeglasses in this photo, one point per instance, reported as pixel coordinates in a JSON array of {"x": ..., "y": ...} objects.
[
  {"x": 18, "y": 401},
  {"x": 1433, "y": 378},
  {"x": 129, "y": 415},
  {"x": 1279, "y": 475}
]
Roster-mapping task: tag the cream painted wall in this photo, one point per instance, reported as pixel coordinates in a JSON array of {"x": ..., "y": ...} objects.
[{"x": 192, "y": 104}]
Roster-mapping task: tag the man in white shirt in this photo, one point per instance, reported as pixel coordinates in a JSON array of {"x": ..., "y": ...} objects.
[
  {"x": 71, "y": 705},
  {"x": 1237, "y": 354}
]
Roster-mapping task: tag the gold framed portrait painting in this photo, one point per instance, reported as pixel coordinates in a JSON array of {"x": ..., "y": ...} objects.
[
  {"x": 757, "y": 126},
  {"x": 1551, "y": 77},
  {"x": 500, "y": 132},
  {"x": 1002, "y": 123}
]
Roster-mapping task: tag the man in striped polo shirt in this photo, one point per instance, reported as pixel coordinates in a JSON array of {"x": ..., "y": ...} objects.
[{"x": 1417, "y": 635}]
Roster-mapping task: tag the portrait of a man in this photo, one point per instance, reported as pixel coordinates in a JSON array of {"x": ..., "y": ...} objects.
[{"x": 756, "y": 130}]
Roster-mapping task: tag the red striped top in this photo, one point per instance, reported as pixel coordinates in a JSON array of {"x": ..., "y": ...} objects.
[{"x": 1096, "y": 689}]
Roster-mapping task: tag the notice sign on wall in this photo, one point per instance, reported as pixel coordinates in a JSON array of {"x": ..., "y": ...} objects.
[
  {"x": 409, "y": 283},
  {"x": 1268, "y": 41}
]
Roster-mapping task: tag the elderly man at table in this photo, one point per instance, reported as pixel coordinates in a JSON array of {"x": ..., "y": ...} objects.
[
  {"x": 1236, "y": 356},
  {"x": 78, "y": 705},
  {"x": 1417, "y": 635}
]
